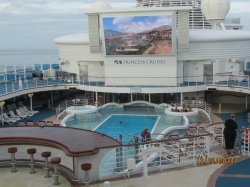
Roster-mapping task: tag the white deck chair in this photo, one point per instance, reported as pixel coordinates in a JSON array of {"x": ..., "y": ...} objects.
[
  {"x": 13, "y": 115},
  {"x": 7, "y": 121},
  {"x": 24, "y": 112},
  {"x": 6, "y": 117},
  {"x": 19, "y": 113},
  {"x": 27, "y": 110}
]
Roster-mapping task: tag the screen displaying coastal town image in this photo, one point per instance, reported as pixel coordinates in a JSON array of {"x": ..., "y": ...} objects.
[{"x": 138, "y": 35}]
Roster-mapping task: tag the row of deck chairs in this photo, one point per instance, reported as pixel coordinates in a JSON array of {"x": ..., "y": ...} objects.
[
  {"x": 40, "y": 123},
  {"x": 16, "y": 113}
]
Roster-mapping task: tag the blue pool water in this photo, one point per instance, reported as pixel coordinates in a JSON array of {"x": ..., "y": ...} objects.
[
  {"x": 127, "y": 126},
  {"x": 143, "y": 119}
]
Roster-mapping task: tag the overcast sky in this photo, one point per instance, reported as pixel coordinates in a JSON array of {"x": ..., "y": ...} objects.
[{"x": 33, "y": 24}]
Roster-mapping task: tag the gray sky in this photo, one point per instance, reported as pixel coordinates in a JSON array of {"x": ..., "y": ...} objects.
[{"x": 33, "y": 24}]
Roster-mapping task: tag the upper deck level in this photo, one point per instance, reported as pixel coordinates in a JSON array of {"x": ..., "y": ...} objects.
[{"x": 21, "y": 86}]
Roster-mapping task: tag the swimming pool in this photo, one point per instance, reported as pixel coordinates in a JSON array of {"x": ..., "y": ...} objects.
[
  {"x": 159, "y": 120},
  {"x": 126, "y": 126}
]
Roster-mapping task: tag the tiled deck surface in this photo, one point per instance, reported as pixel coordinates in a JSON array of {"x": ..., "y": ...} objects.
[
  {"x": 23, "y": 178},
  {"x": 189, "y": 177}
]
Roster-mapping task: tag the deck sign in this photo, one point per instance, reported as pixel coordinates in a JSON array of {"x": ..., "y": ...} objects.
[
  {"x": 135, "y": 90},
  {"x": 138, "y": 35}
]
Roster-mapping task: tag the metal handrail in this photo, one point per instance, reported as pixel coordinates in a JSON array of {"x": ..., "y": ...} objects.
[
  {"x": 175, "y": 151},
  {"x": 68, "y": 103},
  {"x": 7, "y": 87}
]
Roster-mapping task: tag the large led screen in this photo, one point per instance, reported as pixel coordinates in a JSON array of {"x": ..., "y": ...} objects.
[{"x": 138, "y": 35}]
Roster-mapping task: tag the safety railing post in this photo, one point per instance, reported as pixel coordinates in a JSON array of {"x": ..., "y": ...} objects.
[
  {"x": 248, "y": 80},
  {"x": 13, "y": 88},
  {"x": 6, "y": 88}
]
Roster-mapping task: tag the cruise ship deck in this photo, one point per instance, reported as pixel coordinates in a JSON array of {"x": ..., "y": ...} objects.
[{"x": 172, "y": 67}]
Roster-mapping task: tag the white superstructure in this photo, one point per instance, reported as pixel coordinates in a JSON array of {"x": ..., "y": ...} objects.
[{"x": 173, "y": 50}]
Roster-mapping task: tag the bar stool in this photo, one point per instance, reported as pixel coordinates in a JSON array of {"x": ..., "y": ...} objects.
[
  {"x": 86, "y": 167},
  {"x": 55, "y": 161},
  {"x": 46, "y": 156},
  {"x": 12, "y": 151},
  {"x": 31, "y": 152}
]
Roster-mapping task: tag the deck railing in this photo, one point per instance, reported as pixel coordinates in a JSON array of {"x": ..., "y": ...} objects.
[
  {"x": 68, "y": 103},
  {"x": 135, "y": 83},
  {"x": 155, "y": 155}
]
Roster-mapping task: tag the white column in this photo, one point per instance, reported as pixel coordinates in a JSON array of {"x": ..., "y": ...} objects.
[
  {"x": 30, "y": 96},
  {"x": 96, "y": 99},
  {"x": 1, "y": 105},
  {"x": 24, "y": 72},
  {"x": 20, "y": 84},
  {"x": 131, "y": 97},
  {"x": 149, "y": 98},
  {"x": 181, "y": 99},
  {"x": 15, "y": 71}
]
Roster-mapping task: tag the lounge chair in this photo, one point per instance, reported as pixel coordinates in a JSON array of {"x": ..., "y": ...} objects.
[
  {"x": 27, "y": 110},
  {"x": 19, "y": 113},
  {"x": 9, "y": 121},
  {"x": 24, "y": 112},
  {"x": 13, "y": 106},
  {"x": 13, "y": 115},
  {"x": 6, "y": 117}
]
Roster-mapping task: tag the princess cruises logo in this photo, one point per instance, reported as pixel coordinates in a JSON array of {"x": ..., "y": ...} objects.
[
  {"x": 118, "y": 61},
  {"x": 140, "y": 62}
]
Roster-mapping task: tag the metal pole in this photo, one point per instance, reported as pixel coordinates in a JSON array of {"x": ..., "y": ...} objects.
[
  {"x": 56, "y": 178},
  {"x": 145, "y": 162},
  {"x": 96, "y": 99},
  {"x": 181, "y": 99},
  {"x": 47, "y": 174},
  {"x": 30, "y": 96},
  {"x": 2, "y": 122},
  {"x": 31, "y": 107},
  {"x": 13, "y": 163},
  {"x": 32, "y": 164},
  {"x": 246, "y": 100}
]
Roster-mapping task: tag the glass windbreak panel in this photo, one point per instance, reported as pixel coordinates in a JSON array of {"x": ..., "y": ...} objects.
[
  {"x": 248, "y": 65},
  {"x": 38, "y": 67},
  {"x": 28, "y": 69},
  {"x": 2, "y": 69},
  {"x": 11, "y": 77},
  {"x": 55, "y": 66},
  {"x": 2, "y": 77},
  {"x": 46, "y": 66},
  {"x": 20, "y": 76},
  {"x": 20, "y": 69},
  {"x": 10, "y": 69}
]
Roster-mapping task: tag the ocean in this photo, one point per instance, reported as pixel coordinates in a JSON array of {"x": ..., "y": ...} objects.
[
  {"x": 27, "y": 57},
  {"x": 42, "y": 58}
]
